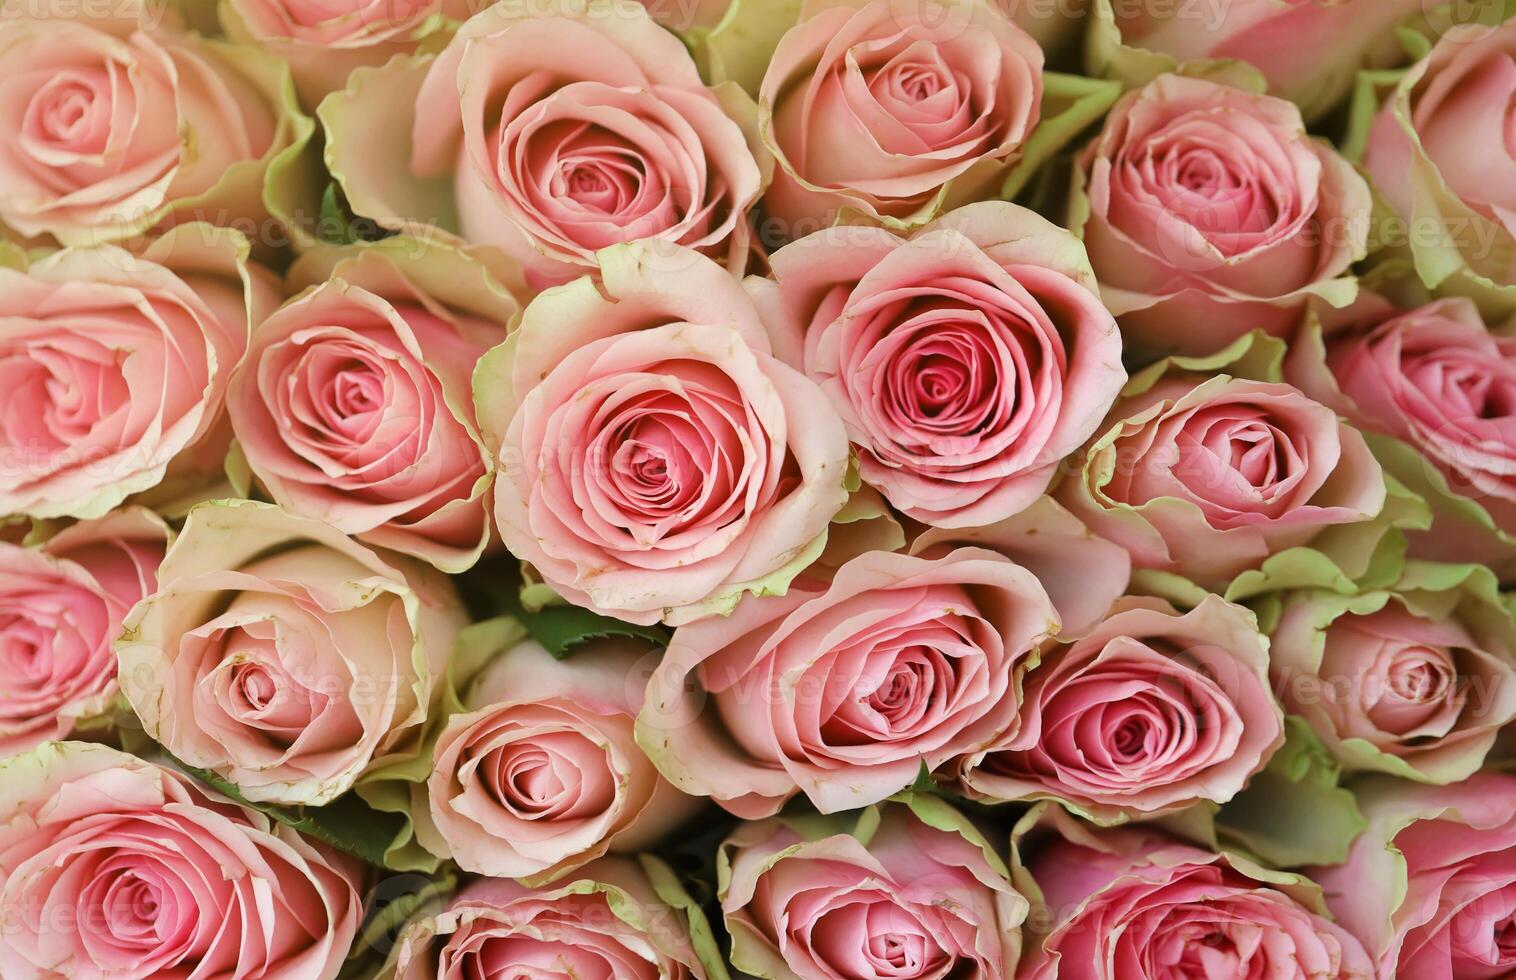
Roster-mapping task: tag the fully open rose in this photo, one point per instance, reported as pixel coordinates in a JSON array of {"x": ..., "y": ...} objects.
[
  {"x": 656, "y": 461},
  {"x": 912, "y": 891},
  {"x": 1149, "y": 713},
  {"x": 282, "y": 655},
  {"x": 965, "y": 361},
  {"x": 541, "y": 773},
  {"x": 114, "y": 867},
  {"x": 1208, "y": 212}
]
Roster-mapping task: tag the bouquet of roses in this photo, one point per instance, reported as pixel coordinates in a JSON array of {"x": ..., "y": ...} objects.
[{"x": 791, "y": 489}]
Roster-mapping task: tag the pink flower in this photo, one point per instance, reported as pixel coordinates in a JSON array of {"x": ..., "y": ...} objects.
[
  {"x": 1208, "y": 212},
  {"x": 112, "y": 867},
  {"x": 894, "y": 110},
  {"x": 1149, "y": 713},
  {"x": 61, "y": 609},
  {"x": 844, "y": 692},
  {"x": 541, "y": 773},
  {"x": 1130, "y": 903},
  {"x": 656, "y": 461},
  {"x": 354, "y": 405},
  {"x": 901, "y": 895},
  {"x": 965, "y": 361}
]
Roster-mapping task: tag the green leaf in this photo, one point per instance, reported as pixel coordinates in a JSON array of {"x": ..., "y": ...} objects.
[{"x": 559, "y": 628}]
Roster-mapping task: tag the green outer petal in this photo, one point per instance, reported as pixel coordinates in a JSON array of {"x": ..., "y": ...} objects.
[{"x": 671, "y": 892}]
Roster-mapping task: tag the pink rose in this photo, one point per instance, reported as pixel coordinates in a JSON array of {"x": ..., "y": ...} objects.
[
  {"x": 1208, "y": 212},
  {"x": 113, "y": 867},
  {"x": 355, "y": 405},
  {"x": 1437, "y": 379},
  {"x": 1128, "y": 903},
  {"x": 61, "y": 608},
  {"x": 844, "y": 692},
  {"x": 1416, "y": 681},
  {"x": 656, "y": 461},
  {"x": 115, "y": 124},
  {"x": 894, "y": 110},
  {"x": 1442, "y": 154},
  {"x": 1209, "y": 476},
  {"x": 283, "y": 656},
  {"x": 618, "y": 920},
  {"x": 153, "y": 338},
  {"x": 1151, "y": 712},
  {"x": 540, "y": 772},
  {"x": 902, "y": 894},
  {"x": 965, "y": 361},
  {"x": 1428, "y": 886},
  {"x": 563, "y": 126},
  {"x": 1309, "y": 50}
]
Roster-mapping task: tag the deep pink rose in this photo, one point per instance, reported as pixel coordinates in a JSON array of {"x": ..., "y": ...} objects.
[
  {"x": 113, "y": 867},
  {"x": 896, "y": 896},
  {"x": 1151, "y": 712},
  {"x": 61, "y": 608},
  {"x": 1129, "y": 903},
  {"x": 1208, "y": 211},
  {"x": 892, "y": 109},
  {"x": 966, "y": 361},
  {"x": 656, "y": 462},
  {"x": 845, "y": 691}
]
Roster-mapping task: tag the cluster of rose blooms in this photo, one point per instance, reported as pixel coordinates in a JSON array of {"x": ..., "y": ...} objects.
[{"x": 793, "y": 489}]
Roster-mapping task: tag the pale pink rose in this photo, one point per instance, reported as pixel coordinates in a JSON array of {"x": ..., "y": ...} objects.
[
  {"x": 844, "y": 692},
  {"x": 114, "y": 867},
  {"x": 905, "y": 898},
  {"x": 1442, "y": 152},
  {"x": 355, "y": 403},
  {"x": 656, "y": 461},
  {"x": 1436, "y": 378},
  {"x": 568, "y": 126},
  {"x": 541, "y": 772},
  {"x": 113, "y": 125},
  {"x": 1209, "y": 476},
  {"x": 889, "y": 109},
  {"x": 1430, "y": 887},
  {"x": 966, "y": 361},
  {"x": 286, "y": 658},
  {"x": 616, "y": 920},
  {"x": 1149, "y": 713},
  {"x": 1309, "y": 50},
  {"x": 61, "y": 608},
  {"x": 116, "y": 367},
  {"x": 1125, "y": 903},
  {"x": 1208, "y": 212}
]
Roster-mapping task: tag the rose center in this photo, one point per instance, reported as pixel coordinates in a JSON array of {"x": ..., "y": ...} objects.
[
  {"x": 1421, "y": 675},
  {"x": 71, "y": 112},
  {"x": 607, "y": 183},
  {"x": 24, "y": 650}
]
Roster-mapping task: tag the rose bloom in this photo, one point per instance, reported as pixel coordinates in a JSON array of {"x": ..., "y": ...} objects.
[
  {"x": 845, "y": 691},
  {"x": 541, "y": 773},
  {"x": 114, "y": 125},
  {"x": 1208, "y": 212},
  {"x": 114, "y": 867},
  {"x": 1441, "y": 153},
  {"x": 551, "y": 130},
  {"x": 355, "y": 403},
  {"x": 1151, "y": 712},
  {"x": 61, "y": 607},
  {"x": 1429, "y": 885},
  {"x": 907, "y": 898},
  {"x": 117, "y": 367},
  {"x": 1134, "y": 903},
  {"x": 1433, "y": 377},
  {"x": 893, "y": 110},
  {"x": 283, "y": 656},
  {"x": 1416, "y": 682},
  {"x": 1208, "y": 476},
  {"x": 656, "y": 460},
  {"x": 1309, "y": 50},
  {"x": 617, "y": 920},
  {"x": 965, "y": 361}
]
